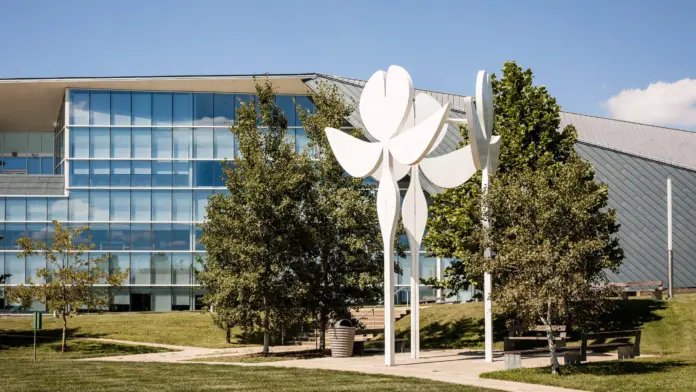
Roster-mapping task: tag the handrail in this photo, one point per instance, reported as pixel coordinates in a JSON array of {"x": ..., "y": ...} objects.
[{"x": 372, "y": 309}]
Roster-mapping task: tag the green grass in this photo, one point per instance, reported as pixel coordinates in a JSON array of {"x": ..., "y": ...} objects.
[
  {"x": 669, "y": 331},
  {"x": 61, "y": 376},
  {"x": 177, "y": 328},
  {"x": 260, "y": 358}
]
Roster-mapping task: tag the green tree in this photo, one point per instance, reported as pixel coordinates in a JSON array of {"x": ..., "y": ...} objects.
[
  {"x": 343, "y": 217},
  {"x": 527, "y": 120},
  {"x": 70, "y": 280},
  {"x": 257, "y": 238},
  {"x": 552, "y": 237}
]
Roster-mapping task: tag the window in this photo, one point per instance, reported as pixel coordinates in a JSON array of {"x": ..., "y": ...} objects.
[
  {"x": 47, "y": 165},
  {"x": 201, "y": 200},
  {"x": 99, "y": 143},
  {"x": 121, "y": 143},
  {"x": 120, "y": 206},
  {"x": 140, "y": 268},
  {"x": 140, "y": 205},
  {"x": 287, "y": 107},
  {"x": 16, "y": 209},
  {"x": 224, "y": 144},
  {"x": 58, "y": 209},
  {"x": 162, "y": 206},
  {"x": 161, "y": 142},
  {"x": 141, "y": 143},
  {"x": 33, "y": 165},
  {"x": 224, "y": 109},
  {"x": 2, "y": 209},
  {"x": 100, "y": 108},
  {"x": 181, "y": 206},
  {"x": 161, "y": 269},
  {"x": 181, "y": 268},
  {"x": 36, "y": 209},
  {"x": 142, "y": 173},
  {"x": 182, "y": 174},
  {"x": 79, "y": 143},
  {"x": 181, "y": 237},
  {"x": 203, "y": 173},
  {"x": 141, "y": 236},
  {"x": 182, "y": 138},
  {"x": 100, "y": 236},
  {"x": 36, "y": 232},
  {"x": 120, "y": 237},
  {"x": 301, "y": 140},
  {"x": 219, "y": 176},
  {"x": 13, "y": 232},
  {"x": 305, "y": 103},
  {"x": 161, "y": 236},
  {"x": 183, "y": 108},
  {"x": 33, "y": 142},
  {"x": 199, "y": 234},
  {"x": 203, "y": 143},
  {"x": 15, "y": 142},
  {"x": 79, "y": 107},
  {"x": 162, "y": 173},
  {"x": 203, "y": 111},
  {"x": 119, "y": 263},
  {"x": 120, "y": 173},
  {"x": 99, "y": 173},
  {"x": 120, "y": 108},
  {"x": 99, "y": 205},
  {"x": 79, "y": 173},
  {"x": 34, "y": 263},
  {"x": 141, "y": 108},
  {"x": 161, "y": 109}
]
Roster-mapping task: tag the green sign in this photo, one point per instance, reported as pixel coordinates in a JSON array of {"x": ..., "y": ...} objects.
[{"x": 37, "y": 322}]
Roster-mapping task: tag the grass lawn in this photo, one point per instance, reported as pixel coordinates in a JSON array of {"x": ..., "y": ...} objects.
[
  {"x": 669, "y": 330},
  {"x": 178, "y": 328},
  {"x": 59, "y": 376},
  {"x": 260, "y": 358}
]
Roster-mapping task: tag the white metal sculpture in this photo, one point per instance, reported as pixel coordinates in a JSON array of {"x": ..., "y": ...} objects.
[{"x": 407, "y": 130}]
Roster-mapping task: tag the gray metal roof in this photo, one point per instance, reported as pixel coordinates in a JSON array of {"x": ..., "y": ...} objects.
[
  {"x": 32, "y": 185},
  {"x": 665, "y": 145}
]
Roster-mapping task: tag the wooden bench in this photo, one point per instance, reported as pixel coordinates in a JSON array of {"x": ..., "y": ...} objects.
[
  {"x": 515, "y": 333},
  {"x": 630, "y": 287},
  {"x": 399, "y": 344}
]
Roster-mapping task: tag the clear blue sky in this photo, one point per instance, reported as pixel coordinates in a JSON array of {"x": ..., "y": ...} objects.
[{"x": 584, "y": 52}]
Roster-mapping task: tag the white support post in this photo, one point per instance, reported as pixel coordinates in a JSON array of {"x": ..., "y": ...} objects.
[
  {"x": 438, "y": 274},
  {"x": 415, "y": 302},
  {"x": 487, "y": 282},
  {"x": 670, "y": 267}
]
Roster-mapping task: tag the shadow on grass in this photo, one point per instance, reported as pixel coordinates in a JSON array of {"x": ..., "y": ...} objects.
[
  {"x": 618, "y": 368},
  {"x": 463, "y": 333},
  {"x": 629, "y": 314}
]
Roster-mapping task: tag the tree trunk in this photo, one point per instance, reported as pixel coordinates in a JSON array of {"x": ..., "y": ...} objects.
[
  {"x": 228, "y": 335},
  {"x": 266, "y": 336},
  {"x": 555, "y": 367},
  {"x": 322, "y": 331},
  {"x": 65, "y": 332}
]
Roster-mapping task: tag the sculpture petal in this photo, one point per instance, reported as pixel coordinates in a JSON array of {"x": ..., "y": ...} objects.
[
  {"x": 414, "y": 210},
  {"x": 412, "y": 145},
  {"x": 484, "y": 103},
  {"x": 388, "y": 203},
  {"x": 400, "y": 171},
  {"x": 477, "y": 140},
  {"x": 423, "y": 107},
  {"x": 358, "y": 158},
  {"x": 493, "y": 155},
  {"x": 386, "y": 101},
  {"x": 449, "y": 170}
]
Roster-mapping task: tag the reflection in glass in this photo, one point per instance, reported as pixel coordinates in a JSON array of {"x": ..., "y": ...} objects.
[
  {"x": 183, "y": 109},
  {"x": 203, "y": 109},
  {"x": 161, "y": 142},
  {"x": 16, "y": 209},
  {"x": 183, "y": 142},
  {"x": 141, "y": 236},
  {"x": 120, "y": 108},
  {"x": 120, "y": 236},
  {"x": 119, "y": 263},
  {"x": 161, "y": 269},
  {"x": 162, "y": 173},
  {"x": 79, "y": 173},
  {"x": 203, "y": 143},
  {"x": 224, "y": 109},
  {"x": 99, "y": 173},
  {"x": 79, "y": 107},
  {"x": 141, "y": 108},
  {"x": 140, "y": 268},
  {"x": 141, "y": 143},
  {"x": 140, "y": 205},
  {"x": 100, "y": 108},
  {"x": 142, "y": 173},
  {"x": 99, "y": 205},
  {"x": 36, "y": 209},
  {"x": 79, "y": 143},
  {"x": 162, "y": 206},
  {"x": 120, "y": 205},
  {"x": 181, "y": 236},
  {"x": 161, "y": 236},
  {"x": 161, "y": 109},
  {"x": 121, "y": 142},
  {"x": 181, "y": 206},
  {"x": 120, "y": 173},
  {"x": 99, "y": 142}
]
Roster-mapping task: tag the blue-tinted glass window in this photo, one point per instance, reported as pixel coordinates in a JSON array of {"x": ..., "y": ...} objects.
[
  {"x": 79, "y": 173},
  {"x": 181, "y": 237},
  {"x": 99, "y": 205},
  {"x": 120, "y": 173},
  {"x": 79, "y": 206},
  {"x": 305, "y": 103},
  {"x": 140, "y": 205},
  {"x": 2, "y": 241},
  {"x": 203, "y": 111},
  {"x": 287, "y": 107},
  {"x": 224, "y": 109},
  {"x": 36, "y": 232},
  {"x": 182, "y": 174},
  {"x": 200, "y": 200},
  {"x": 120, "y": 237},
  {"x": 141, "y": 236},
  {"x": 100, "y": 236},
  {"x": 162, "y": 274},
  {"x": 16, "y": 209},
  {"x": 99, "y": 143},
  {"x": 34, "y": 264},
  {"x": 301, "y": 140},
  {"x": 11, "y": 163},
  {"x": 119, "y": 262},
  {"x": 162, "y": 173},
  {"x": 121, "y": 143},
  {"x": 50, "y": 230},
  {"x": 142, "y": 173},
  {"x": 199, "y": 234},
  {"x": 203, "y": 173},
  {"x": 183, "y": 142},
  {"x": 79, "y": 107},
  {"x": 99, "y": 173},
  {"x": 33, "y": 165},
  {"x": 203, "y": 143},
  {"x": 219, "y": 176},
  {"x": 120, "y": 108},
  {"x": 13, "y": 232},
  {"x": 161, "y": 236},
  {"x": 47, "y": 165},
  {"x": 141, "y": 143},
  {"x": 224, "y": 144},
  {"x": 243, "y": 98},
  {"x": 182, "y": 207},
  {"x": 183, "y": 109},
  {"x": 140, "y": 268},
  {"x": 2, "y": 209},
  {"x": 36, "y": 209},
  {"x": 162, "y": 109},
  {"x": 100, "y": 108},
  {"x": 141, "y": 108},
  {"x": 120, "y": 205},
  {"x": 58, "y": 209},
  {"x": 161, "y": 142},
  {"x": 162, "y": 206},
  {"x": 79, "y": 143},
  {"x": 290, "y": 136}
]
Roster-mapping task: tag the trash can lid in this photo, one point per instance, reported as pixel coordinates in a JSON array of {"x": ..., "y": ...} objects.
[{"x": 343, "y": 324}]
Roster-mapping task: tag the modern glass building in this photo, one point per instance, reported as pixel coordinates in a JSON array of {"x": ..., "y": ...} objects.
[{"x": 136, "y": 159}]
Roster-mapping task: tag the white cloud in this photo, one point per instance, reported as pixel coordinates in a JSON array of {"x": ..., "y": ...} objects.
[{"x": 661, "y": 103}]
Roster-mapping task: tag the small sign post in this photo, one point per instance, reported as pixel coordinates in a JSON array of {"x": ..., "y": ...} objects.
[{"x": 36, "y": 324}]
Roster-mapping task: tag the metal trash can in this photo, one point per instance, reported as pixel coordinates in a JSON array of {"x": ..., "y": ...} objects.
[{"x": 342, "y": 337}]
